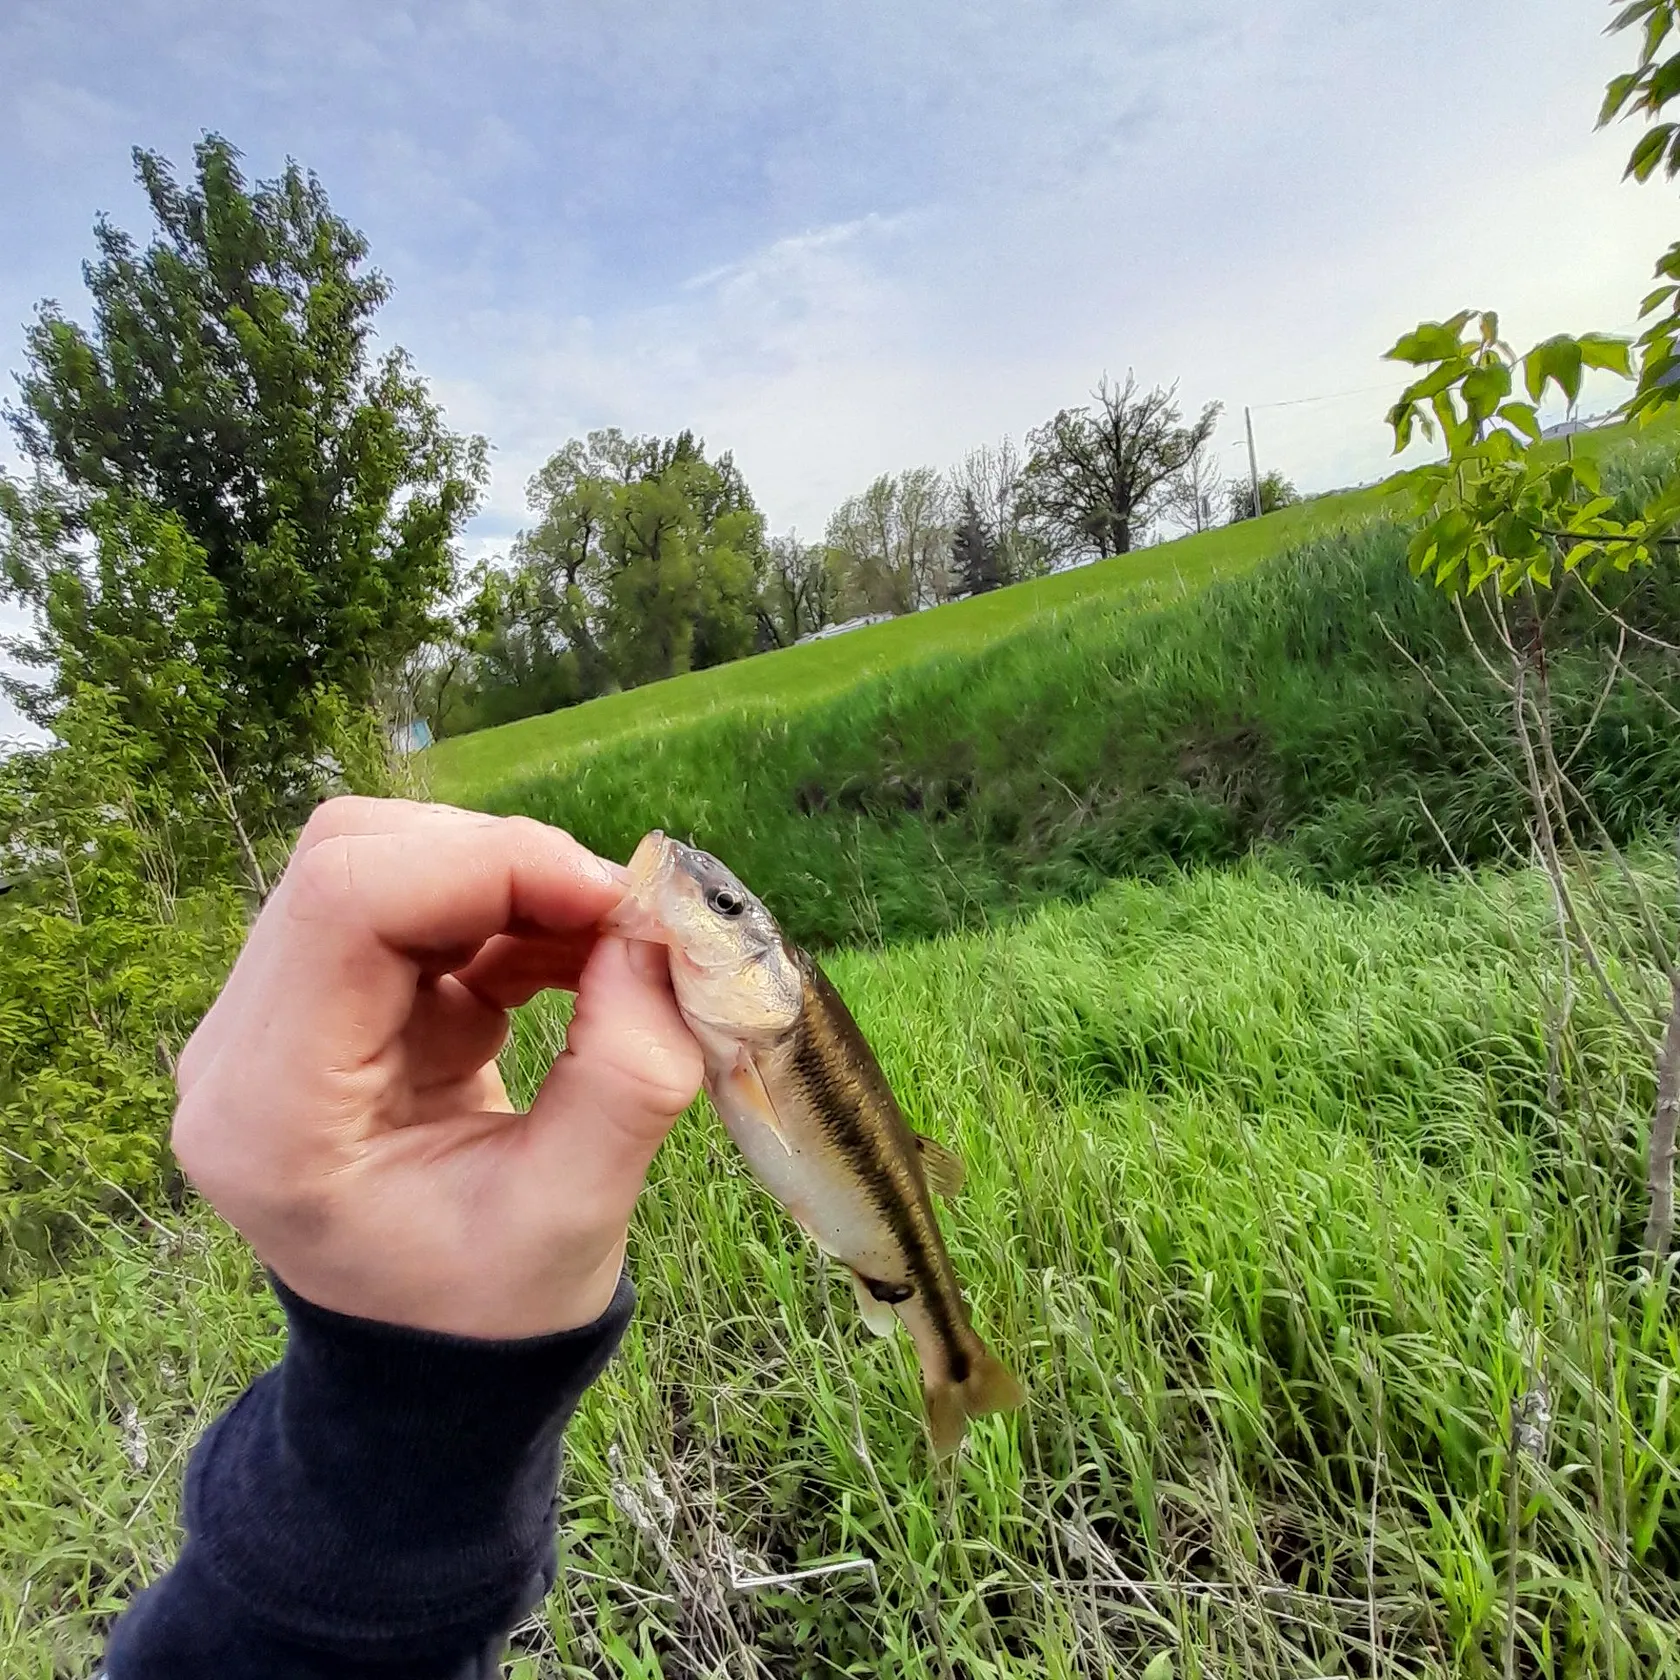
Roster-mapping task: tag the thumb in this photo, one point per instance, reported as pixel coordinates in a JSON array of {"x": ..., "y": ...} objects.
[{"x": 629, "y": 1069}]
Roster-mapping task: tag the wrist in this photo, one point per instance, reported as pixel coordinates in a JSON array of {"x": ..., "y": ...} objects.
[
  {"x": 383, "y": 1495},
  {"x": 382, "y": 1476},
  {"x": 472, "y": 1305}
]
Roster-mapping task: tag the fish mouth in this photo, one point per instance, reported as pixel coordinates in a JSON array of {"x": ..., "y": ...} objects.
[
  {"x": 658, "y": 865},
  {"x": 636, "y": 915}
]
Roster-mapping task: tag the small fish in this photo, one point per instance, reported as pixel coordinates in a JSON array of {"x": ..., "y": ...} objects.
[{"x": 804, "y": 1098}]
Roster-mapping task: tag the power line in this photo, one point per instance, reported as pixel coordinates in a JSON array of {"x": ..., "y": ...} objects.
[{"x": 1328, "y": 396}]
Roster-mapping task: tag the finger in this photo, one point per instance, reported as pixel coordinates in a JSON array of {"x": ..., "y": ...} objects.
[
  {"x": 332, "y": 818},
  {"x": 629, "y": 1070},
  {"x": 513, "y": 967},
  {"x": 451, "y": 1034},
  {"x": 362, "y": 916},
  {"x": 358, "y": 814}
]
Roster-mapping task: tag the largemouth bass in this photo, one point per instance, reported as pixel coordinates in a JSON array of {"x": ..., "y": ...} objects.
[{"x": 804, "y": 1098}]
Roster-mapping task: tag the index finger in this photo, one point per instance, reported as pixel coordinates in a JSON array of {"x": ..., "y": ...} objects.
[{"x": 361, "y": 915}]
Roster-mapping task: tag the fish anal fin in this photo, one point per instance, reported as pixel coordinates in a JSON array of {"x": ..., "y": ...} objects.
[
  {"x": 878, "y": 1316},
  {"x": 941, "y": 1167},
  {"x": 747, "y": 1089}
]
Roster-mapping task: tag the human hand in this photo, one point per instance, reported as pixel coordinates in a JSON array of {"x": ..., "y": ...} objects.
[{"x": 340, "y": 1102}]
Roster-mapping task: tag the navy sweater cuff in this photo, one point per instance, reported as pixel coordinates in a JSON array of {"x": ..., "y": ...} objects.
[{"x": 383, "y": 1495}]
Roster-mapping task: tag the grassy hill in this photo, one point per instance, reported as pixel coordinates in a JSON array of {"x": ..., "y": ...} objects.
[
  {"x": 1280, "y": 710},
  {"x": 474, "y": 769},
  {"x": 469, "y": 769}
]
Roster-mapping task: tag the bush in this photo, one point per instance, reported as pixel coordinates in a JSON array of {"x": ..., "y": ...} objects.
[{"x": 113, "y": 939}]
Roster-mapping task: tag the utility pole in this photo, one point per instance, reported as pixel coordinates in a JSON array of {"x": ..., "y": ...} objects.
[{"x": 1253, "y": 464}]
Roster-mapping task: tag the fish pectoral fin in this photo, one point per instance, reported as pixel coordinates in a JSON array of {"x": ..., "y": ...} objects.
[
  {"x": 942, "y": 1168},
  {"x": 875, "y": 1302},
  {"x": 747, "y": 1088}
]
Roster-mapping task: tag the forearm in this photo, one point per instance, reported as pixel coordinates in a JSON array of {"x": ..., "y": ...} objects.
[{"x": 382, "y": 1502}]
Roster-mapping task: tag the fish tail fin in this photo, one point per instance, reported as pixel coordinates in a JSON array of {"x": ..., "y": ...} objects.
[{"x": 988, "y": 1387}]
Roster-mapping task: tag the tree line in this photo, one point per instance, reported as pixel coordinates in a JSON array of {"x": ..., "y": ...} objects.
[{"x": 646, "y": 559}]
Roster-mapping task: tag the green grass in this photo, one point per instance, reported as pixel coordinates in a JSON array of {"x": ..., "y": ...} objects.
[
  {"x": 1268, "y": 711},
  {"x": 476, "y": 769},
  {"x": 1277, "y": 1202},
  {"x": 466, "y": 769}
]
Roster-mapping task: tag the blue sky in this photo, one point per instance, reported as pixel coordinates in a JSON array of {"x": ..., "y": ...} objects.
[{"x": 846, "y": 236}]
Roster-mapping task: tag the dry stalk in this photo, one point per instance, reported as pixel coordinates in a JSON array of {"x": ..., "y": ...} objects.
[{"x": 1659, "y": 1160}]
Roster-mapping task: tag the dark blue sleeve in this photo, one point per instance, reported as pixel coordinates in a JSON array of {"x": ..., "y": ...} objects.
[{"x": 380, "y": 1503}]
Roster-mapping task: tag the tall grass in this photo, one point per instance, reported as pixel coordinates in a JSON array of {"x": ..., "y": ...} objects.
[
  {"x": 1280, "y": 1203},
  {"x": 1283, "y": 710}
]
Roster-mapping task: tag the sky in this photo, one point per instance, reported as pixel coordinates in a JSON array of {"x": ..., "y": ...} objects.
[{"x": 843, "y": 237}]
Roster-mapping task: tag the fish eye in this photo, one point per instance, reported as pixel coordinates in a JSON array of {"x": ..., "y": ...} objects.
[{"x": 726, "y": 901}]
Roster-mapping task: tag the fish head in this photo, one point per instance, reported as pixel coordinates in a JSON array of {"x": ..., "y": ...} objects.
[{"x": 730, "y": 966}]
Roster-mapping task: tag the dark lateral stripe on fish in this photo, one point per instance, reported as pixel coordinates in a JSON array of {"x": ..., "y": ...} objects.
[{"x": 819, "y": 1049}]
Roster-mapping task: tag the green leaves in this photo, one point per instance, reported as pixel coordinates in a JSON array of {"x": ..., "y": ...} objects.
[
  {"x": 1497, "y": 509},
  {"x": 226, "y": 389},
  {"x": 1647, "y": 89},
  {"x": 1557, "y": 361},
  {"x": 1484, "y": 387},
  {"x": 1431, "y": 341}
]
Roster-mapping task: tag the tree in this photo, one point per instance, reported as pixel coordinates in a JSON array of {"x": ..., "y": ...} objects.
[
  {"x": 801, "y": 590},
  {"x": 994, "y": 479},
  {"x": 646, "y": 560},
  {"x": 1515, "y": 528},
  {"x": 1198, "y": 494},
  {"x": 225, "y": 401},
  {"x": 892, "y": 544},
  {"x": 118, "y": 928},
  {"x": 974, "y": 551},
  {"x": 1097, "y": 476},
  {"x": 1275, "y": 492}
]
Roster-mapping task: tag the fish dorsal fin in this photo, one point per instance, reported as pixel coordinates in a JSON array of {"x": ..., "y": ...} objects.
[
  {"x": 747, "y": 1088},
  {"x": 942, "y": 1168}
]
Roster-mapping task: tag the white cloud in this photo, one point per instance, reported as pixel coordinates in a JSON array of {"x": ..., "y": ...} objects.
[{"x": 846, "y": 236}]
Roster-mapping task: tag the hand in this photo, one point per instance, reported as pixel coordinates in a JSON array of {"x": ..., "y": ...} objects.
[{"x": 341, "y": 1106}]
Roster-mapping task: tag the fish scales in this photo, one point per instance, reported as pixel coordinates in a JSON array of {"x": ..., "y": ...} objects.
[
  {"x": 801, "y": 1093},
  {"x": 861, "y": 1117}
]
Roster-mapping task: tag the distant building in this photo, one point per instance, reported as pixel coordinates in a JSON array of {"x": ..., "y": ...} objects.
[
  {"x": 841, "y": 629},
  {"x": 412, "y": 737},
  {"x": 1568, "y": 428}
]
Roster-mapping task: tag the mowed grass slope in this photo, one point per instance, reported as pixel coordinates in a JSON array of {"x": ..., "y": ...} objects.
[
  {"x": 469, "y": 769},
  {"x": 477, "y": 769},
  {"x": 1276, "y": 1202}
]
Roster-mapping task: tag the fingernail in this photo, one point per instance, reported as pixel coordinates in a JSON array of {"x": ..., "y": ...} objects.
[{"x": 648, "y": 961}]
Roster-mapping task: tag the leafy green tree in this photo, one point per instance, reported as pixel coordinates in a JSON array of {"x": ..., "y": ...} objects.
[
  {"x": 132, "y": 613},
  {"x": 1276, "y": 492},
  {"x": 891, "y": 545},
  {"x": 1096, "y": 476},
  {"x": 114, "y": 935},
  {"x": 1647, "y": 90},
  {"x": 1515, "y": 525},
  {"x": 226, "y": 384},
  {"x": 645, "y": 561}
]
